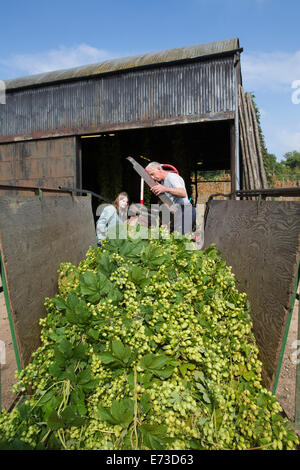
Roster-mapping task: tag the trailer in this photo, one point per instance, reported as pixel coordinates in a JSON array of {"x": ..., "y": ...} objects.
[{"x": 258, "y": 238}]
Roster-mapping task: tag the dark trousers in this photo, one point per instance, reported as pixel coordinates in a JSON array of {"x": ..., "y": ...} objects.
[{"x": 184, "y": 219}]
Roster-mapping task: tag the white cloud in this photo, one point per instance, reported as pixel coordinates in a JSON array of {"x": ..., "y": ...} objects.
[
  {"x": 282, "y": 138},
  {"x": 275, "y": 78},
  {"x": 55, "y": 59},
  {"x": 273, "y": 71},
  {"x": 289, "y": 139}
]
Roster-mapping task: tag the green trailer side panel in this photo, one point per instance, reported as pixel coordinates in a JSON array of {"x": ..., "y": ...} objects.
[
  {"x": 297, "y": 411},
  {"x": 8, "y": 310}
]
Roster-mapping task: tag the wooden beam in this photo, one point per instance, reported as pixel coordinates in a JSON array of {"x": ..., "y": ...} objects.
[
  {"x": 117, "y": 126},
  {"x": 232, "y": 157}
]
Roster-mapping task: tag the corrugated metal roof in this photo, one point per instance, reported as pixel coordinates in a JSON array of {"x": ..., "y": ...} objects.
[
  {"x": 109, "y": 66},
  {"x": 140, "y": 97}
]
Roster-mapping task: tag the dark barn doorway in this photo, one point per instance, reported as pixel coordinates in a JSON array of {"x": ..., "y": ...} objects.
[{"x": 189, "y": 147}]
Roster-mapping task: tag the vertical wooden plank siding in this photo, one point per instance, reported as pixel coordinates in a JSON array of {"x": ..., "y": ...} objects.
[{"x": 48, "y": 163}]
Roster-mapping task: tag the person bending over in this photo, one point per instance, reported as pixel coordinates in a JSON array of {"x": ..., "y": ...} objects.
[{"x": 173, "y": 185}]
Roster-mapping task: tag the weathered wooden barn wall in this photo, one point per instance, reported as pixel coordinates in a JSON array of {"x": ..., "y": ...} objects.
[
  {"x": 45, "y": 163},
  {"x": 260, "y": 240}
]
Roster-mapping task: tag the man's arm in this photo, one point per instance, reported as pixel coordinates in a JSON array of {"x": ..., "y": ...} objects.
[{"x": 160, "y": 189}]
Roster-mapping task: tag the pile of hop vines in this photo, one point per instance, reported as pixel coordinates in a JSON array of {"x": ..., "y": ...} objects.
[{"x": 147, "y": 345}]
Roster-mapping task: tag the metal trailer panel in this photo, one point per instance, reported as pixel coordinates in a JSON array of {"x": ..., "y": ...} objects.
[
  {"x": 36, "y": 235},
  {"x": 260, "y": 240}
]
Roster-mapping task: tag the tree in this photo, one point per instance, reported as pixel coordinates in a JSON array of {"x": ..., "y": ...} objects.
[
  {"x": 274, "y": 167},
  {"x": 292, "y": 161}
]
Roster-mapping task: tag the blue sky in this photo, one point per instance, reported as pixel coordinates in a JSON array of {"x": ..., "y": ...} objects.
[{"x": 38, "y": 36}]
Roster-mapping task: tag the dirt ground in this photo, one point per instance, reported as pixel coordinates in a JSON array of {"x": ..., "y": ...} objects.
[
  {"x": 9, "y": 366},
  {"x": 285, "y": 392},
  {"x": 286, "y": 388}
]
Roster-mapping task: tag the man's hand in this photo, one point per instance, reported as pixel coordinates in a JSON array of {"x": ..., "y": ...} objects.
[{"x": 159, "y": 189}]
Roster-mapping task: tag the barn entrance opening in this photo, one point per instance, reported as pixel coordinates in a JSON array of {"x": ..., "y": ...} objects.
[{"x": 198, "y": 149}]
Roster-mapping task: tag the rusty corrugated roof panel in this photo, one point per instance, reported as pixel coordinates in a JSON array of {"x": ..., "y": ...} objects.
[
  {"x": 109, "y": 66},
  {"x": 139, "y": 97}
]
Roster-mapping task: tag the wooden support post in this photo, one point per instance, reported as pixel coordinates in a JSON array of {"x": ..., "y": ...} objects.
[
  {"x": 78, "y": 175},
  {"x": 232, "y": 157},
  {"x": 238, "y": 81},
  {"x": 261, "y": 167},
  {"x": 244, "y": 145},
  {"x": 196, "y": 185}
]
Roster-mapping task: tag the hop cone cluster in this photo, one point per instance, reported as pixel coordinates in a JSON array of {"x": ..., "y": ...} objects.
[{"x": 147, "y": 345}]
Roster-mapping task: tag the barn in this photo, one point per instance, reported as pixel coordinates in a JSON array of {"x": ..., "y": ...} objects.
[{"x": 75, "y": 127}]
